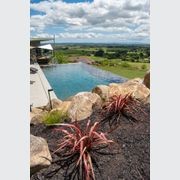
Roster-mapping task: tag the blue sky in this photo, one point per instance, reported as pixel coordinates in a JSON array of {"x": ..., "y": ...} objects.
[{"x": 103, "y": 21}]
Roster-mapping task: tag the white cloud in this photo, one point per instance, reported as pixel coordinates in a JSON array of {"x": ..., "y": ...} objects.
[
  {"x": 43, "y": 35},
  {"x": 78, "y": 35},
  {"x": 97, "y": 37},
  {"x": 100, "y": 16}
]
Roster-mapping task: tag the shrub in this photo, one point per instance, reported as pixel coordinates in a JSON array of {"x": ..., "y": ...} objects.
[
  {"x": 76, "y": 147},
  {"x": 60, "y": 58},
  {"x": 99, "y": 53},
  {"x": 54, "y": 117},
  {"x": 143, "y": 66},
  {"x": 125, "y": 65},
  {"x": 141, "y": 55},
  {"x": 121, "y": 105},
  {"x": 110, "y": 55},
  {"x": 113, "y": 63},
  {"x": 121, "y": 53},
  {"x": 104, "y": 62}
]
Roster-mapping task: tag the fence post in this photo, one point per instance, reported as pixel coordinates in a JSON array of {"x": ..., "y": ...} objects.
[
  {"x": 49, "y": 90},
  {"x": 31, "y": 107}
]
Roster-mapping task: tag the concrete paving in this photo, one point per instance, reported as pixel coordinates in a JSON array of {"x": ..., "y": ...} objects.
[{"x": 39, "y": 86}]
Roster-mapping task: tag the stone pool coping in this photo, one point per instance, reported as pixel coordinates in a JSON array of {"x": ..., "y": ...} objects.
[{"x": 39, "y": 86}]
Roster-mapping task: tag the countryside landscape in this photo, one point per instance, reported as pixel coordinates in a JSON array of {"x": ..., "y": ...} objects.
[
  {"x": 89, "y": 90},
  {"x": 129, "y": 61}
]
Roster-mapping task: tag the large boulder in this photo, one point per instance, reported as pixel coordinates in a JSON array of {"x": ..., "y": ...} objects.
[
  {"x": 35, "y": 111},
  {"x": 56, "y": 103},
  {"x": 63, "y": 107},
  {"x": 102, "y": 91},
  {"x": 135, "y": 87},
  {"x": 146, "y": 80},
  {"x": 147, "y": 100},
  {"x": 37, "y": 119},
  {"x": 135, "y": 80},
  {"x": 39, "y": 152},
  {"x": 36, "y": 116},
  {"x": 82, "y": 105}
]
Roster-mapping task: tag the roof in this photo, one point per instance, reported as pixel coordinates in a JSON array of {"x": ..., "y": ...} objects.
[
  {"x": 41, "y": 39},
  {"x": 46, "y": 46}
]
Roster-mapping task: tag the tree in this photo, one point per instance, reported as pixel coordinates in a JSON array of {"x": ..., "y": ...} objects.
[
  {"x": 99, "y": 53},
  {"x": 147, "y": 53},
  {"x": 60, "y": 57},
  {"x": 141, "y": 55},
  {"x": 121, "y": 53}
]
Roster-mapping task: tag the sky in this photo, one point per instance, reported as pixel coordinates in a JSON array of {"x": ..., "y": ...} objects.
[{"x": 91, "y": 21}]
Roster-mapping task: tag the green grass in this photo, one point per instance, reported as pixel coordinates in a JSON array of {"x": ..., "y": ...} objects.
[
  {"x": 96, "y": 58},
  {"x": 126, "y": 69},
  {"x": 54, "y": 117},
  {"x": 133, "y": 71},
  {"x": 123, "y": 68}
]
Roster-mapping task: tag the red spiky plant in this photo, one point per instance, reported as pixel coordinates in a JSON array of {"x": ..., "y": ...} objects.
[
  {"x": 120, "y": 105},
  {"x": 76, "y": 147}
]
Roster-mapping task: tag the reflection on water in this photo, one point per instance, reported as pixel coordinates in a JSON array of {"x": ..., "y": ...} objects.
[{"x": 69, "y": 79}]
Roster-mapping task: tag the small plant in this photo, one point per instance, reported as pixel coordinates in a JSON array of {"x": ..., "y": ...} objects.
[
  {"x": 125, "y": 65},
  {"x": 143, "y": 66},
  {"x": 54, "y": 117},
  {"x": 117, "y": 104},
  {"x": 76, "y": 148},
  {"x": 121, "y": 105}
]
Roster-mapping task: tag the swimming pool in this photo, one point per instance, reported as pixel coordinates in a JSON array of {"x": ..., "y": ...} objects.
[{"x": 69, "y": 79}]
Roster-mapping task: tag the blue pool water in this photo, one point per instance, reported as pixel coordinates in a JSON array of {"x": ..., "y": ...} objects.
[{"x": 69, "y": 79}]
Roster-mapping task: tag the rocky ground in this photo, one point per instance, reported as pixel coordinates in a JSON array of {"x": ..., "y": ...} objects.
[
  {"x": 131, "y": 160},
  {"x": 83, "y": 59},
  {"x": 128, "y": 158}
]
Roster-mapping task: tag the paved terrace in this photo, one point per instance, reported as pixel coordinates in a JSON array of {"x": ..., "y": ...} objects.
[{"x": 39, "y": 88}]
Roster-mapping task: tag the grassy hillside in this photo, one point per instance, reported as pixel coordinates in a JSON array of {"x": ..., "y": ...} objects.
[
  {"x": 125, "y": 72},
  {"x": 128, "y": 61}
]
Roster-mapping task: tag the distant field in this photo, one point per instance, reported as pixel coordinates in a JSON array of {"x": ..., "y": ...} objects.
[
  {"x": 135, "y": 69},
  {"x": 125, "y": 72},
  {"x": 128, "y": 61}
]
